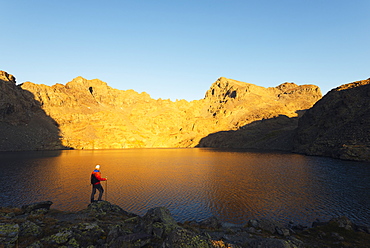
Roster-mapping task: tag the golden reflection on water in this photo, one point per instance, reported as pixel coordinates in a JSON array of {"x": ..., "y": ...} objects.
[
  {"x": 196, "y": 183},
  {"x": 137, "y": 178},
  {"x": 230, "y": 184}
]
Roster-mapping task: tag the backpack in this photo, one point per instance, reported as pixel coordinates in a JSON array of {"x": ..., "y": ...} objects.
[{"x": 94, "y": 180}]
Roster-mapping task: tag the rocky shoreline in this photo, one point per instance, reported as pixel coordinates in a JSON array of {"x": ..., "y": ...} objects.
[{"x": 103, "y": 224}]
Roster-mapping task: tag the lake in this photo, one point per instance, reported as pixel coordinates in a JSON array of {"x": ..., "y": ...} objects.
[{"x": 193, "y": 183}]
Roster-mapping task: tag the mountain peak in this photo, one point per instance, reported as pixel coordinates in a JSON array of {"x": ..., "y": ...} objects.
[{"x": 7, "y": 77}]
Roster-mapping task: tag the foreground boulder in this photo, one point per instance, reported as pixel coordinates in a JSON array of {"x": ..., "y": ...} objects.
[
  {"x": 158, "y": 222},
  {"x": 103, "y": 224},
  {"x": 37, "y": 207}
]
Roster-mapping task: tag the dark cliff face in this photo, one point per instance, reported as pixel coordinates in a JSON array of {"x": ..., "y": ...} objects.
[
  {"x": 23, "y": 124},
  {"x": 338, "y": 125}
]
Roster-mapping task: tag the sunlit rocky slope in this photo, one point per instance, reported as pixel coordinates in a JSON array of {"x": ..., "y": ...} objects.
[{"x": 91, "y": 115}]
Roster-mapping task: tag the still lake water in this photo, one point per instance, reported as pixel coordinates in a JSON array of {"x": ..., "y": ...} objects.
[{"x": 194, "y": 184}]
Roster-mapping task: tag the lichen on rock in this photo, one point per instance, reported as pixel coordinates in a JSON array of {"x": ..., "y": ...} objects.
[{"x": 9, "y": 234}]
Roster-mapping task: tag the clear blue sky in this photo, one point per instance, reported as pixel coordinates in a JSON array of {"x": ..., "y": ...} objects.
[{"x": 177, "y": 48}]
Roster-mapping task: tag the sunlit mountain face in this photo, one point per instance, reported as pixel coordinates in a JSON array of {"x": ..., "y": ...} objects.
[{"x": 91, "y": 115}]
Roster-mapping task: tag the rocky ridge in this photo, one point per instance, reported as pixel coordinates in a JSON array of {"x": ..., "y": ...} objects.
[
  {"x": 24, "y": 124},
  {"x": 91, "y": 115},
  {"x": 88, "y": 114},
  {"x": 262, "y": 118},
  {"x": 338, "y": 124},
  {"x": 103, "y": 224}
]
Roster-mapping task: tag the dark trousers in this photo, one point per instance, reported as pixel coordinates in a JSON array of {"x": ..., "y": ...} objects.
[{"x": 101, "y": 191}]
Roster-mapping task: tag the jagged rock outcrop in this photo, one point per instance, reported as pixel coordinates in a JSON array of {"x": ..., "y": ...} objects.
[
  {"x": 93, "y": 115},
  {"x": 338, "y": 125},
  {"x": 258, "y": 118},
  {"x": 248, "y": 102},
  {"x": 23, "y": 123}
]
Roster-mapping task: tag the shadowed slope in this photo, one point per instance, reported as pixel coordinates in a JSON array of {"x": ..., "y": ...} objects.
[
  {"x": 23, "y": 123},
  {"x": 338, "y": 125}
]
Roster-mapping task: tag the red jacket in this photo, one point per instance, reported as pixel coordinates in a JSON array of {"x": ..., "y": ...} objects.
[{"x": 97, "y": 174}]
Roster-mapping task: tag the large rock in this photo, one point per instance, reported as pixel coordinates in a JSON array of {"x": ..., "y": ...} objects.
[
  {"x": 105, "y": 208},
  {"x": 338, "y": 125},
  {"x": 36, "y": 207},
  {"x": 343, "y": 222},
  {"x": 270, "y": 226},
  {"x": 30, "y": 229},
  {"x": 212, "y": 223},
  {"x": 80, "y": 235},
  {"x": 182, "y": 238},
  {"x": 271, "y": 242},
  {"x": 158, "y": 222},
  {"x": 131, "y": 240}
]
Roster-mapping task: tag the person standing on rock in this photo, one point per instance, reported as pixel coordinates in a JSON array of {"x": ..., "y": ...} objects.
[{"x": 95, "y": 181}]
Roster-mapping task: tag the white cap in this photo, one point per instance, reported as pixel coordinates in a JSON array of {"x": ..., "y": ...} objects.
[{"x": 97, "y": 167}]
